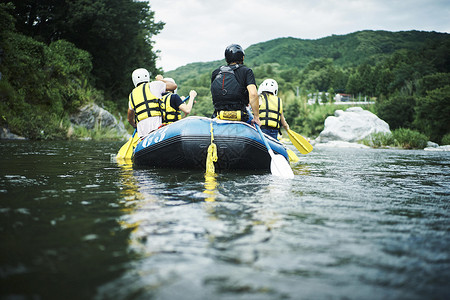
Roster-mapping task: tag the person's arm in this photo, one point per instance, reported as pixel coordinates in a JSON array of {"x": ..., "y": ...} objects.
[
  {"x": 130, "y": 117},
  {"x": 254, "y": 103},
  {"x": 186, "y": 108},
  {"x": 283, "y": 122},
  {"x": 170, "y": 86}
]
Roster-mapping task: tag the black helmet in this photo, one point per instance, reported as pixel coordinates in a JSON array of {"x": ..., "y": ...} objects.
[{"x": 234, "y": 53}]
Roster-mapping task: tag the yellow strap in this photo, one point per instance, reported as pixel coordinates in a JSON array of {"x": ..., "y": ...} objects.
[{"x": 212, "y": 154}]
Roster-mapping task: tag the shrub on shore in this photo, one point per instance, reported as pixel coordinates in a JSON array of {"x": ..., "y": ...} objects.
[
  {"x": 379, "y": 139},
  {"x": 446, "y": 139},
  {"x": 409, "y": 139},
  {"x": 402, "y": 137}
]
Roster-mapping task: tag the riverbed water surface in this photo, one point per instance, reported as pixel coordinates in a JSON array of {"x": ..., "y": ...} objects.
[{"x": 352, "y": 224}]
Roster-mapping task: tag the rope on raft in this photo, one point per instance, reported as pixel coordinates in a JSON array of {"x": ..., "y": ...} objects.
[{"x": 212, "y": 154}]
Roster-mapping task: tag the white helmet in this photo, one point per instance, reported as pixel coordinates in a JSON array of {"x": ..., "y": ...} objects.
[
  {"x": 140, "y": 75},
  {"x": 268, "y": 85},
  {"x": 171, "y": 80}
]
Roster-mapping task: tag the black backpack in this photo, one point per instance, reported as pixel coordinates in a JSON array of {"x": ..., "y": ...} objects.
[{"x": 225, "y": 89}]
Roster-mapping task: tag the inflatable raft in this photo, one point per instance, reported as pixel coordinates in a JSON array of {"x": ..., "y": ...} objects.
[{"x": 184, "y": 144}]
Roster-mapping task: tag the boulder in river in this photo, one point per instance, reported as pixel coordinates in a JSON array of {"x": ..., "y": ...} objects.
[
  {"x": 351, "y": 125},
  {"x": 438, "y": 148},
  {"x": 92, "y": 116}
]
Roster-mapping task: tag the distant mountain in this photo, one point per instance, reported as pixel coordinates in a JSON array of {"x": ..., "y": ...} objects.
[{"x": 346, "y": 50}]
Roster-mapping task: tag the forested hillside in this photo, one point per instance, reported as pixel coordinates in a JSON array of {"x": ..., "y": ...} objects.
[
  {"x": 405, "y": 73},
  {"x": 364, "y": 47}
]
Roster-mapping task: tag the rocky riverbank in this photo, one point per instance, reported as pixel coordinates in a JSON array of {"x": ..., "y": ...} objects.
[
  {"x": 5, "y": 134},
  {"x": 88, "y": 119}
]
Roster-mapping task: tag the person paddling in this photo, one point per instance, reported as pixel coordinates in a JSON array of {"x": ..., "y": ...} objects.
[
  {"x": 172, "y": 104},
  {"x": 271, "y": 109},
  {"x": 144, "y": 112},
  {"x": 233, "y": 88}
]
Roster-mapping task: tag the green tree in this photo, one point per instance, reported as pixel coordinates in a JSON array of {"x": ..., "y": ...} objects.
[
  {"x": 323, "y": 97},
  {"x": 362, "y": 80},
  {"x": 291, "y": 111},
  {"x": 330, "y": 95},
  {"x": 269, "y": 70},
  {"x": 340, "y": 80},
  {"x": 433, "y": 113},
  {"x": 318, "y": 74},
  {"x": 117, "y": 33},
  {"x": 41, "y": 84},
  {"x": 289, "y": 75},
  {"x": 397, "y": 111},
  {"x": 7, "y": 21},
  {"x": 383, "y": 78},
  {"x": 354, "y": 84},
  {"x": 432, "y": 82}
]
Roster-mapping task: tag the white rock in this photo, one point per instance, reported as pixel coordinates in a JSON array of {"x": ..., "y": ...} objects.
[
  {"x": 432, "y": 144},
  {"x": 440, "y": 148},
  {"x": 351, "y": 125}
]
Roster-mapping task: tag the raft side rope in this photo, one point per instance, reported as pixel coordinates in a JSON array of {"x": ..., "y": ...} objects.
[{"x": 212, "y": 154}]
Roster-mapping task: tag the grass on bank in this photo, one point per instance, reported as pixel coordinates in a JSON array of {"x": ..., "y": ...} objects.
[
  {"x": 402, "y": 137},
  {"x": 97, "y": 134},
  {"x": 446, "y": 139}
]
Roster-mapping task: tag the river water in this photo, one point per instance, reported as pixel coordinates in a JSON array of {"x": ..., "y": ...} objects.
[{"x": 352, "y": 224}]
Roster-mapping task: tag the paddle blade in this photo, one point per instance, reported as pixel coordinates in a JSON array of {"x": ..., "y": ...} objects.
[
  {"x": 126, "y": 151},
  {"x": 292, "y": 156},
  {"x": 302, "y": 145},
  {"x": 279, "y": 166}
]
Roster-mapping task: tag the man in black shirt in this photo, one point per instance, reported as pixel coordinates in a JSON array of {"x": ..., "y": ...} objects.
[{"x": 233, "y": 97}]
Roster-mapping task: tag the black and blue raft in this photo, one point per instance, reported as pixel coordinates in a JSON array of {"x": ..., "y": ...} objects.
[{"x": 185, "y": 144}]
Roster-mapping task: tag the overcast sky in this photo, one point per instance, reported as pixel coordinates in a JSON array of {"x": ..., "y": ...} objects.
[{"x": 200, "y": 30}]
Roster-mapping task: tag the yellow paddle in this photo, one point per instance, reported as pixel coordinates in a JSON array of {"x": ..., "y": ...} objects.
[
  {"x": 126, "y": 151},
  {"x": 300, "y": 142},
  {"x": 293, "y": 158}
]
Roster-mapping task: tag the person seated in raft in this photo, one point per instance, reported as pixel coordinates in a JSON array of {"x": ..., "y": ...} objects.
[
  {"x": 144, "y": 112},
  {"x": 172, "y": 104},
  {"x": 233, "y": 87},
  {"x": 271, "y": 109}
]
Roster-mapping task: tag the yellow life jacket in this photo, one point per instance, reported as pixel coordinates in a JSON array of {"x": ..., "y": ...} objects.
[
  {"x": 144, "y": 103},
  {"x": 270, "y": 111},
  {"x": 169, "y": 114}
]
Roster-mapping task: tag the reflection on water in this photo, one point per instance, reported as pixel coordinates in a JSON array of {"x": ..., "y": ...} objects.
[
  {"x": 129, "y": 184},
  {"x": 59, "y": 229},
  {"x": 354, "y": 224},
  {"x": 210, "y": 186}
]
